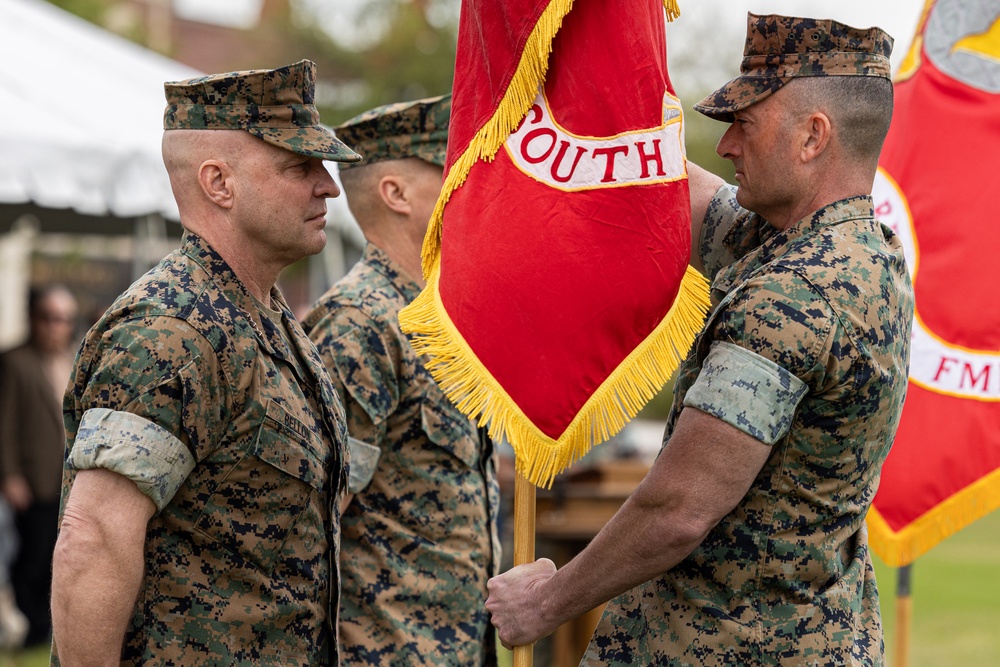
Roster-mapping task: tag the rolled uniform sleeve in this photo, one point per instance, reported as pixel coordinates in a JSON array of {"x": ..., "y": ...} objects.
[
  {"x": 772, "y": 345},
  {"x": 155, "y": 402},
  {"x": 735, "y": 383},
  {"x": 134, "y": 447}
]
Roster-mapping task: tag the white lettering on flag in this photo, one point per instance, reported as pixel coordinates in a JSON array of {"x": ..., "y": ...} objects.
[
  {"x": 548, "y": 153},
  {"x": 935, "y": 364}
]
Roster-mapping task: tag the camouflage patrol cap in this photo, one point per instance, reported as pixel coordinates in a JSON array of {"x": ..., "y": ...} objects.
[
  {"x": 404, "y": 129},
  {"x": 781, "y": 48},
  {"x": 276, "y": 105}
]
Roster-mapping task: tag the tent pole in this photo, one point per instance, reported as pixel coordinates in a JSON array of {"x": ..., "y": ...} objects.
[
  {"x": 904, "y": 611},
  {"x": 524, "y": 546}
]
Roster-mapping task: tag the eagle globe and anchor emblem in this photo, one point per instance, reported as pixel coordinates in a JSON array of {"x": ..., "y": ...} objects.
[{"x": 964, "y": 44}]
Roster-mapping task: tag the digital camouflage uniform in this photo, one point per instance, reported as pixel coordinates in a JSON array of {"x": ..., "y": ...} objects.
[
  {"x": 224, "y": 416},
  {"x": 186, "y": 389},
  {"x": 419, "y": 538},
  {"x": 806, "y": 349}
]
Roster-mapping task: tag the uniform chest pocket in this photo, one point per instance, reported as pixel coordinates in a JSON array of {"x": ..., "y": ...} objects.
[
  {"x": 450, "y": 430},
  {"x": 253, "y": 509}
]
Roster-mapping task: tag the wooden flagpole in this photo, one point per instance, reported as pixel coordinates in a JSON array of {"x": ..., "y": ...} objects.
[
  {"x": 524, "y": 546},
  {"x": 904, "y": 611}
]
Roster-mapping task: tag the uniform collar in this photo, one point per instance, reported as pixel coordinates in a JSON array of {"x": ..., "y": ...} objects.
[
  {"x": 377, "y": 259},
  {"x": 265, "y": 331},
  {"x": 774, "y": 243},
  {"x": 208, "y": 258}
]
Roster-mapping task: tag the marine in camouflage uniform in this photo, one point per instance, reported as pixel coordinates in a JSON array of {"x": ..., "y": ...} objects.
[
  {"x": 419, "y": 537},
  {"x": 805, "y": 352},
  {"x": 219, "y": 409}
]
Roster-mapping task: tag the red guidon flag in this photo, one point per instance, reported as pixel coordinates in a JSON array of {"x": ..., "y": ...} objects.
[
  {"x": 937, "y": 187},
  {"x": 559, "y": 298}
]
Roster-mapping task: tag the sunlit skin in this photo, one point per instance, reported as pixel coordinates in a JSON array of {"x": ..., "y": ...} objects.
[
  {"x": 762, "y": 143},
  {"x": 393, "y": 201},
  {"x": 261, "y": 207},
  {"x": 280, "y": 204},
  {"x": 412, "y": 201},
  {"x": 790, "y": 160}
]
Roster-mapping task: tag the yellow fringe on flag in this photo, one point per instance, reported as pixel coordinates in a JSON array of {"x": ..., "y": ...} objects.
[
  {"x": 901, "y": 548},
  {"x": 474, "y": 390},
  {"x": 460, "y": 374},
  {"x": 517, "y": 100},
  {"x": 673, "y": 11}
]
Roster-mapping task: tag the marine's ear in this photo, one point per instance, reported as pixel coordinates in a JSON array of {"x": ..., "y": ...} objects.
[
  {"x": 395, "y": 193},
  {"x": 817, "y": 137},
  {"x": 216, "y": 180}
]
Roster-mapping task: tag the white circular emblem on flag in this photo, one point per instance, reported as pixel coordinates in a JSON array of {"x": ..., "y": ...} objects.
[{"x": 935, "y": 364}]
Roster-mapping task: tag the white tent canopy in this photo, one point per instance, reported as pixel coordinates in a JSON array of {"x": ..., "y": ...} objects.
[
  {"x": 80, "y": 115},
  {"x": 81, "y": 118}
]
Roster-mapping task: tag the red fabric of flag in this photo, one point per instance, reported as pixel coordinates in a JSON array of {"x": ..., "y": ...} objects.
[
  {"x": 559, "y": 297},
  {"x": 937, "y": 183}
]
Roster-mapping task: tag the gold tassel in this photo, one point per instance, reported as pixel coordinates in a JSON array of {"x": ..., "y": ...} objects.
[
  {"x": 473, "y": 389},
  {"x": 673, "y": 9},
  {"x": 901, "y": 548}
]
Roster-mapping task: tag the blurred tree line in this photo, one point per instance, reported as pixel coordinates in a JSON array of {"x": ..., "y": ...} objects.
[
  {"x": 372, "y": 52},
  {"x": 392, "y": 50}
]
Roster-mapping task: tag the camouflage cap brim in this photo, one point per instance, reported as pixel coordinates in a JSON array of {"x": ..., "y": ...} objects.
[
  {"x": 763, "y": 75},
  {"x": 277, "y": 105},
  {"x": 428, "y": 147},
  {"x": 738, "y": 94},
  {"x": 311, "y": 141},
  {"x": 779, "y": 49}
]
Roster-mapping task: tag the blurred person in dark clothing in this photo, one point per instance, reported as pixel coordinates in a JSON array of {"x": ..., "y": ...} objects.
[{"x": 33, "y": 378}]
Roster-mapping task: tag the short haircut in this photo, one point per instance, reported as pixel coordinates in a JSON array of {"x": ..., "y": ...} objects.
[
  {"x": 359, "y": 184},
  {"x": 355, "y": 178},
  {"x": 860, "y": 108}
]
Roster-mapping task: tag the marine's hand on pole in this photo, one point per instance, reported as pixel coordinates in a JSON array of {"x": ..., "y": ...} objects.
[{"x": 517, "y": 603}]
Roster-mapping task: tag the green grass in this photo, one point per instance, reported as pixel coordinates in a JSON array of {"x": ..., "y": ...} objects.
[
  {"x": 956, "y": 601},
  {"x": 956, "y": 605},
  {"x": 33, "y": 658}
]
